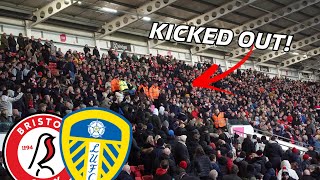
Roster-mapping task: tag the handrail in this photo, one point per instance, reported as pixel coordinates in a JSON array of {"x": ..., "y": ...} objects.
[
  {"x": 238, "y": 122},
  {"x": 280, "y": 137},
  {"x": 251, "y": 135}
]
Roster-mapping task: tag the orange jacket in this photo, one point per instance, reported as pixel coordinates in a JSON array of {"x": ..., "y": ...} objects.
[
  {"x": 145, "y": 89},
  {"x": 220, "y": 120},
  {"x": 115, "y": 85},
  {"x": 154, "y": 92}
]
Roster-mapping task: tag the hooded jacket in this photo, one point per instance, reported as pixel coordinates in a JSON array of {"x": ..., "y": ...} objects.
[{"x": 287, "y": 165}]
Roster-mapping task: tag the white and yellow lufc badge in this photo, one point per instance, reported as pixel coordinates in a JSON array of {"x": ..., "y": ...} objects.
[{"x": 95, "y": 143}]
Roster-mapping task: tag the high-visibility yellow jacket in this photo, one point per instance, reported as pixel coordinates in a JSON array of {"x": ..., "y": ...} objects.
[{"x": 123, "y": 85}]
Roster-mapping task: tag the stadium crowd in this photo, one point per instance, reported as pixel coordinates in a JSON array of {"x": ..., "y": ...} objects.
[{"x": 179, "y": 131}]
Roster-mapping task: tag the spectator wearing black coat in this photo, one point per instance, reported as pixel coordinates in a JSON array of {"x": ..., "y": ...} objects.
[
  {"x": 274, "y": 152},
  {"x": 86, "y": 49},
  {"x": 181, "y": 152},
  {"x": 202, "y": 164},
  {"x": 270, "y": 172},
  {"x": 313, "y": 154},
  {"x": 248, "y": 146},
  {"x": 242, "y": 164},
  {"x": 233, "y": 174},
  {"x": 12, "y": 43},
  {"x": 125, "y": 173},
  {"x": 146, "y": 155},
  {"x": 96, "y": 52},
  {"x": 166, "y": 155},
  {"x": 134, "y": 157},
  {"x": 307, "y": 175},
  {"x": 4, "y": 42},
  {"x": 21, "y": 42}
]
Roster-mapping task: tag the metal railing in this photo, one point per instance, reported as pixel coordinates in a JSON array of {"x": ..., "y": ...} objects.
[
  {"x": 266, "y": 133},
  {"x": 281, "y": 137},
  {"x": 251, "y": 135}
]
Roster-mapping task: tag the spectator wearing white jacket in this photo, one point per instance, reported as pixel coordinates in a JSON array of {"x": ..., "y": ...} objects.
[
  {"x": 286, "y": 166},
  {"x": 6, "y": 102}
]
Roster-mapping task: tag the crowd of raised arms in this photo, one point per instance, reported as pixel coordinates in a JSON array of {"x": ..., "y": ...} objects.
[{"x": 179, "y": 131}]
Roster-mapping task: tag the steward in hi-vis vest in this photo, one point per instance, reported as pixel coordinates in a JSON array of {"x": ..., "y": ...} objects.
[{"x": 219, "y": 120}]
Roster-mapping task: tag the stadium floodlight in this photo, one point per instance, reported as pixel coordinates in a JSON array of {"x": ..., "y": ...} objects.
[
  {"x": 79, "y": 2},
  {"x": 109, "y": 10},
  {"x": 146, "y": 18},
  {"x": 295, "y": 53}
]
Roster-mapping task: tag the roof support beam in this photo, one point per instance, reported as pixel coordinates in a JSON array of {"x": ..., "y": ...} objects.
[
  {"x": 50, "y": 9},
  {"x": 291, "y": 30},
  {"x": 296, "y": 59},
  {"x": 309, "y": 66},
  {"x": 272, "y": 16},
  {"x": 210, "y": 16},
  {"x": 127, "y": 19},
  {"x": 294, "y": 46}
]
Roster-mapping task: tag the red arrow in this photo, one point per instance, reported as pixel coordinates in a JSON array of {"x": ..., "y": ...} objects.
[{"x": 205, "y": 80}]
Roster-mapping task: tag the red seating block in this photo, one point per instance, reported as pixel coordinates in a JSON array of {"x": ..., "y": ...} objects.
[{"x": 147, "y": 177}]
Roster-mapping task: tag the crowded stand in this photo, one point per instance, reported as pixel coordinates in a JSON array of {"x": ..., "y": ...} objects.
[{"x": 179, "y": 131}]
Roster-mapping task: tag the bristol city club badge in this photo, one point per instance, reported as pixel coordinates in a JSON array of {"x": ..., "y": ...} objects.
[
  {"x": 95, "y": 143},
  {"x": 32, "y": 149}
]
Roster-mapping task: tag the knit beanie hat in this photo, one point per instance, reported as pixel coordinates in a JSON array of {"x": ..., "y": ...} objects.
[
  {"x": 305, "y": 157},
  {"x": 183, "y": 164},
  {"x": 165, "y": 124},
  {"x": 171, "y": 133}
]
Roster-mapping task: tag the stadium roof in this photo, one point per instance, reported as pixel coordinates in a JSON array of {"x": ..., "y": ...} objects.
[{"x": 300, "y": 18}]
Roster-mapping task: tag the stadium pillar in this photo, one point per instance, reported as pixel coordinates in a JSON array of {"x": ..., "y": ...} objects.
[
  {"x": 148, "y": 47},
  {"x": 278, "y": 72},
  {"x": 27, "y": 28},
  {"x": 254, "y": 66},
  {"x": 226, "y": 63},
  {"x": 299, "y": 75}
]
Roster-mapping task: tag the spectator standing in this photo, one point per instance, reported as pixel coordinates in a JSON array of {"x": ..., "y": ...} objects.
[
  {"x": 86, "y": 50},
  {"x": 202, "y": 165},
  {"x": 4, "y": 42},
  {"x": 248, "y": 146},
  {"x": 96, "y": 52},
  {"x": 307, "y": 175},
  {"x": 125, "y": 173},
  {"x": 286, "y": 168},
  {"x": 162, "y": 171},
  {"x": 219, "y": 119},
  {"x": 21, "y": 42},
  {"x": 233, "y": 174},
  {"x": 6, "y": 102},
  {"x": 115, "y": 84},
  {"x": 154, "y": 93},
  {"x": 274, "y": 152},
  {"x": 12, "y": 43}
]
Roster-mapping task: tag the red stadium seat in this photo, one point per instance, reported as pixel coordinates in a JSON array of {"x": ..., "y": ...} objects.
[
  {"x": 147, "y": 177},
  {"x": 135, "y": 170}
]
